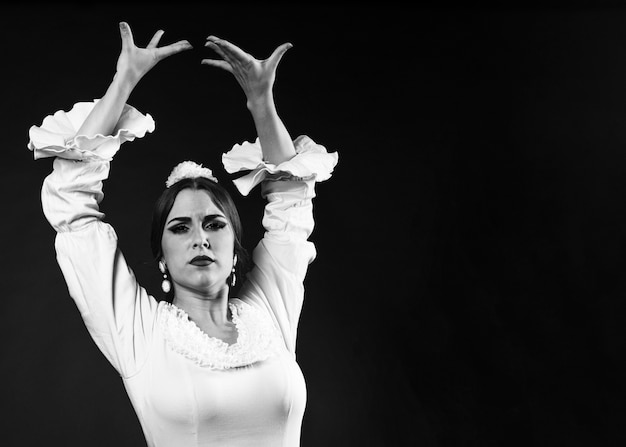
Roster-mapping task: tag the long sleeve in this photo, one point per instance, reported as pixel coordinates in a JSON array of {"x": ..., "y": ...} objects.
[
  {"x": 282, "y": 257},
  {"x": 118, "y": 313}
]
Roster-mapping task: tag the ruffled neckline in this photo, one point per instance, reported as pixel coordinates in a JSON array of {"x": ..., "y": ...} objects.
[{"x": 257, "y": 339}]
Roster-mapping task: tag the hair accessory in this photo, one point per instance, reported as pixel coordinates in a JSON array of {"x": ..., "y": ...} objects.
[
  {"x": 166, "y": 285},
  {"x": 188, "y": 169}
]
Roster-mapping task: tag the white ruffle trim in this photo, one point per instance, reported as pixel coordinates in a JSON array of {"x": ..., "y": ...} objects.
[
  {"x": 257, "y": 339},
  {"x": 311, "y": 162},
  {"x": 56, "y": 137}
]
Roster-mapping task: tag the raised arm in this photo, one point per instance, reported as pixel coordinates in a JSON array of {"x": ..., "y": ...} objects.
[
  {"x": 132, "y": 65},
  {"x": 281, "y": 259},
  {"x": 256, "y": 78},
  {"x": 117, "y": 311}
]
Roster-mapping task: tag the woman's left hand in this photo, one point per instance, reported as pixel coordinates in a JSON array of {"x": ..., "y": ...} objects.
[{"x": 256, "y": 77}]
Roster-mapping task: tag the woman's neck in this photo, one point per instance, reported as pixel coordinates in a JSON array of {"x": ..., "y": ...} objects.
[{"x": 211, "y": 309}]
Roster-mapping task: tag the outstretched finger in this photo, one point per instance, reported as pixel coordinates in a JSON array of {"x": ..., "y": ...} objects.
[
  {"x": 173, "y": 48},
  {"x": 233, "y": 50},
  {"x": 219, "y": 64},
  {"x": 278, "y": 53},
  {"x": 127, "y": 36},
  {"x": 155, "y": 39},
  {"x": 220, "y": 51}
]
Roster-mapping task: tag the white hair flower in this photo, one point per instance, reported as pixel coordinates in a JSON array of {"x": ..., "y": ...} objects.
[{"x": 188, "y": 169}]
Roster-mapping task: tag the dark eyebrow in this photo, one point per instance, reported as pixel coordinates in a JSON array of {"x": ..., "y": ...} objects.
[
  {"x": 188, "y": 219},
  {"x": 180, "y": 219}
]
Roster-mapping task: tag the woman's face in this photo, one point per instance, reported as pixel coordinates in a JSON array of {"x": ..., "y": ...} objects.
[{"x": 198, "y": 244}]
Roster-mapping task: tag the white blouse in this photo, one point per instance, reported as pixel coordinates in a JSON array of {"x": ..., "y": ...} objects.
[{"x": 189, "y": 389}]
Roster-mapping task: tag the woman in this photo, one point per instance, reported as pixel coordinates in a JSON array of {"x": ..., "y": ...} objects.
[{"x": 205, "y": 368}]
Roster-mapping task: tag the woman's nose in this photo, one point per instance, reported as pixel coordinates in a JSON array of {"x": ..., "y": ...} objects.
[
  {"x": 201, "y": 243},
  {"x": 201, "y": 239}
]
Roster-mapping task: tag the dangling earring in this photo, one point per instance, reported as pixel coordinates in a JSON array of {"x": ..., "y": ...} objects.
[
  {"x": 233, "y": 279},
  {"x": 166, "y": 285}
]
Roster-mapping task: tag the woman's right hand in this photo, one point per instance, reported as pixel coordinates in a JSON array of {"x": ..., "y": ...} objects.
[{"x": 134, "y": 62}]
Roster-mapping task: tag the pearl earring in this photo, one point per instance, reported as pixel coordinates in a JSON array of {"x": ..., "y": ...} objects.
[{"x": 166, "y": 285}]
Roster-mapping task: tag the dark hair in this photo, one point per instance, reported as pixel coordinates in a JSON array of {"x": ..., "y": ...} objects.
[{"x": 220, "y": 197}]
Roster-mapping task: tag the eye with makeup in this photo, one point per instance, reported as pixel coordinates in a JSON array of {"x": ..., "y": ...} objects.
[
  {"x": 215, "y": 225},
  {"x": 178, "y": 229},
  {"x": 210, "y": 224}
]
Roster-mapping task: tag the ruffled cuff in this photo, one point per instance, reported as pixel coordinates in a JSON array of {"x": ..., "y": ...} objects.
[
  {"x": 311, "y": 162},
  {"x": 56, "y": 137}
]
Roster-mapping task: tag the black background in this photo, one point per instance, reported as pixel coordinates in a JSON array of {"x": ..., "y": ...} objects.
[{"x": 469, "y": 286}]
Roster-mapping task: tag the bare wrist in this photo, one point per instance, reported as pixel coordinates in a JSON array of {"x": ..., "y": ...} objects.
[
  {"x": 124, "y": 83},
  {"x": 261, "y": 105}
]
